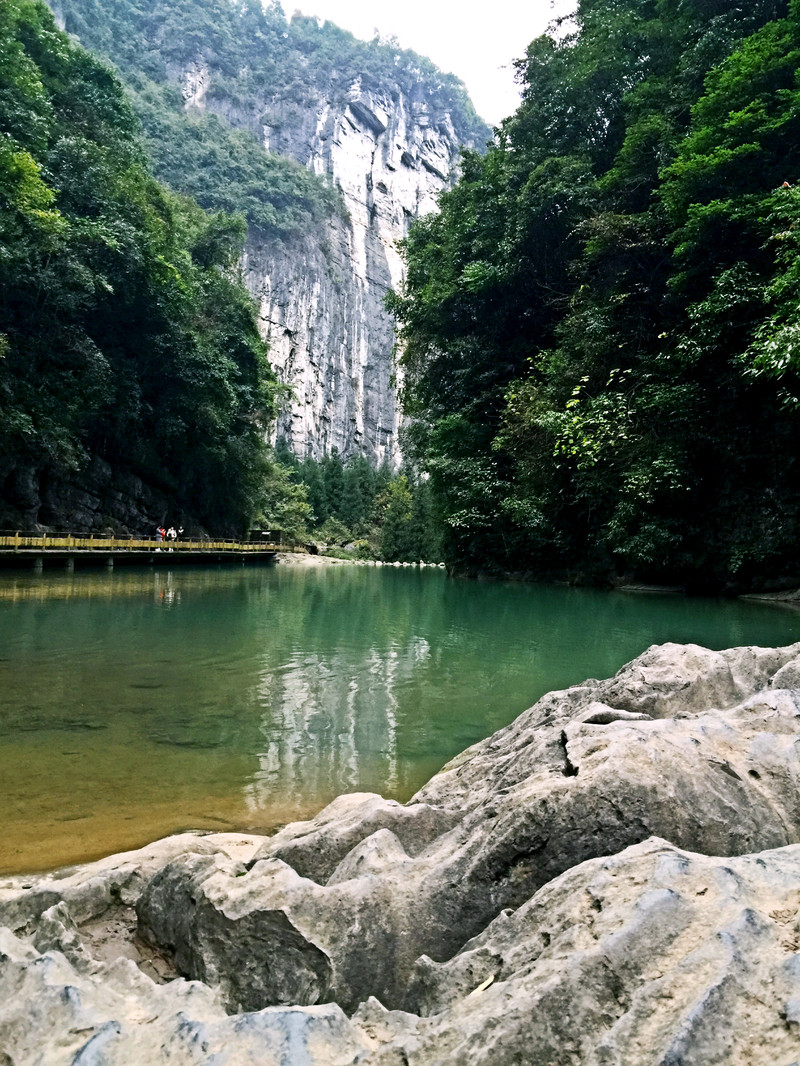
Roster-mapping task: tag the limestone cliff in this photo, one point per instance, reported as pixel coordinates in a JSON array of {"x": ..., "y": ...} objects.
[
  {"x": 389, "y": 154},
  {"x": 330, "y": 146}
]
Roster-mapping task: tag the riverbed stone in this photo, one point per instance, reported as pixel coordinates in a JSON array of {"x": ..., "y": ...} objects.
[
  {"x": 652, "y": 956},
  {"x": 53, "y": 1015},
  {"x": 316, "y": 847},
  {"x": 611, "y": 880},
  {"x": 102, "y": 888},
  {"x": 656, "y": 955},
  {"x": 535, "y": 800}
]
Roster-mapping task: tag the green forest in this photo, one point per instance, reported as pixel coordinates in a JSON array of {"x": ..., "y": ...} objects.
[
  {"x": 596, "y": 335},
  {"x": 599, "y": 331},
  {"x": 125, "y": 333},
  {"x": 352, "y": 509}
]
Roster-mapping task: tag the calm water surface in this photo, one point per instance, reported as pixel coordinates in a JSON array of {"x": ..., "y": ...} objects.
[{"x": 138, "y": 703}]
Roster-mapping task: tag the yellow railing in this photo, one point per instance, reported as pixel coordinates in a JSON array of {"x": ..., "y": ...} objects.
[{"x": 19, "y": 541}]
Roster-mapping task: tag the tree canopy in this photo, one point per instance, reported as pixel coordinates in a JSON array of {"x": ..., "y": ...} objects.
[
  {"x": 125, "y": 332},
  {"x": 375, "y": 513},
  {"x": 598, "y": 331}
]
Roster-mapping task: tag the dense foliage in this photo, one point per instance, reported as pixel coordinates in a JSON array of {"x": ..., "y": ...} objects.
[
  {"x": 600, "y": 330},
  {"x": 265, "y": 70},
  {"x": 124, "y": 331},
  {"x": 374, "y": 514}
]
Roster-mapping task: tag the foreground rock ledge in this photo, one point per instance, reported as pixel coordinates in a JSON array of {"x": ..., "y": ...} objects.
[{"x": 613, "y": 879}]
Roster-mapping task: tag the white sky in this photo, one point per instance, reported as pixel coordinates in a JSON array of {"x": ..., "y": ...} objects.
[{"x": 476, "y": 42}]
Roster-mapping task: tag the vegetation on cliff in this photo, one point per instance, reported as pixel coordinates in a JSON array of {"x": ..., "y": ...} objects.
[
  {"x": 125, "y": 334},
  {"x": 599, "y": 329},
  {"x": 124, "y": 330},
  {"x": 265, "y": 71}
]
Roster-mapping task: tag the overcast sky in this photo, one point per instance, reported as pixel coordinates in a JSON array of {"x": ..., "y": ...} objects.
[{"x": 478, "y": 43}]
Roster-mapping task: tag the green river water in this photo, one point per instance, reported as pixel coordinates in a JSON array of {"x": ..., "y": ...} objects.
[{"x": 138, "y": 703}]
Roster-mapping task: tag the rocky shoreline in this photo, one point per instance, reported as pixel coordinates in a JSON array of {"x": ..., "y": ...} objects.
[{"x": 612, "y": 879}]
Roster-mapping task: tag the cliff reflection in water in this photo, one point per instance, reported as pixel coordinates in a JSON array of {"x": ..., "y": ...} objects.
[
  {"x": 339, "y": 685},
  {"x": 333, "y": 721},
  {"x": 139, "y": 703}
]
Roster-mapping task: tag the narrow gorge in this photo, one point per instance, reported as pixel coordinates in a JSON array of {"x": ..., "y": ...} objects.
[{"x": 381, "y": 130}]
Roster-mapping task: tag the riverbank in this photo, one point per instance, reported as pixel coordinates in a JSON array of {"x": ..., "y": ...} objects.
[
  {"x": 300, "y": 558},
  {"x": 611, "y": 877},
  {"x": 306, "y": 559}
]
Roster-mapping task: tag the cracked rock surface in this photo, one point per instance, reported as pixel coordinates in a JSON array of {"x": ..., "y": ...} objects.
[{"x": 612, "y": 879}]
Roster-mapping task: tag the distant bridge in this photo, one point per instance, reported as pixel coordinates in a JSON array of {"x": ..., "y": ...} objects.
[{"x": 68, "y": 550}]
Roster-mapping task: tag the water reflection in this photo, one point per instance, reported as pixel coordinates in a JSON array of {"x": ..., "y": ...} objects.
[
  {"x": 331, "y": 719},
  {"x": 142, "y": 702}
]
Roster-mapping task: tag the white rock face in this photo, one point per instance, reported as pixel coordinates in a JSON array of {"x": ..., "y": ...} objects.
[
  {"x": 321, "y": 303},
  {"x": 194, "y": 85}
]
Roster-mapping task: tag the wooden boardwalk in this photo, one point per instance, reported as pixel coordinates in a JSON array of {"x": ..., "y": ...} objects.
[{"x": 68, "y": 550}]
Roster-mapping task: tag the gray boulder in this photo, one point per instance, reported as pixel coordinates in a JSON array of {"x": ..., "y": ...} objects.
[
  {"x": 653, "y": 956},
  {"x": 554, "y": 789},
  {"x": 54, "y": 1014}
]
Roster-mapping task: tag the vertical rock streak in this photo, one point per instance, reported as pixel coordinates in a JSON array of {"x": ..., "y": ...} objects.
[{"x": 321, "y": 299}]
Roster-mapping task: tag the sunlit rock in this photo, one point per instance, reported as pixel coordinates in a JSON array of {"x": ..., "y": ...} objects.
[
  {"x": 321, "y": 301},
  {"x": 655, "y": 955}
]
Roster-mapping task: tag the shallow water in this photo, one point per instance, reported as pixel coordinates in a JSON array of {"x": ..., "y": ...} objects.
[{"x": 137, "y": 703}]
